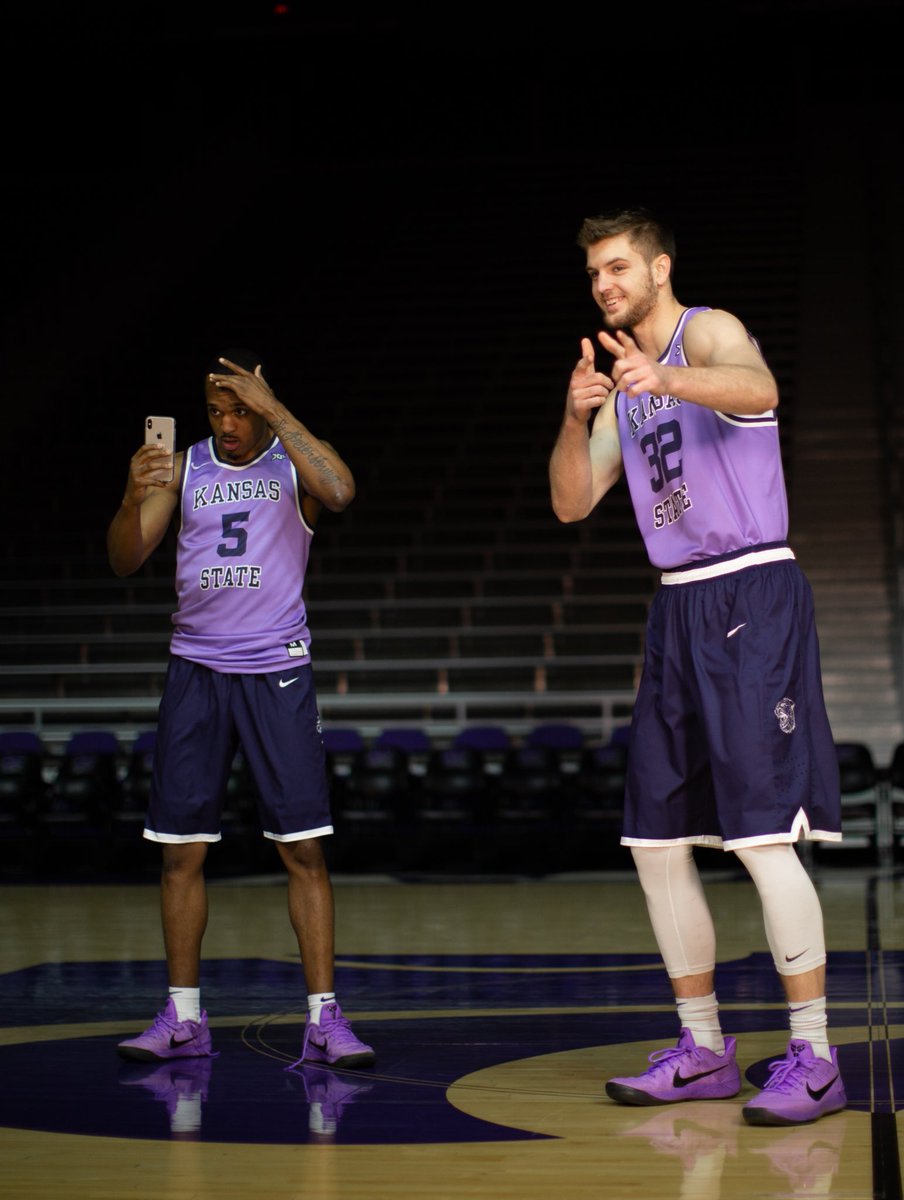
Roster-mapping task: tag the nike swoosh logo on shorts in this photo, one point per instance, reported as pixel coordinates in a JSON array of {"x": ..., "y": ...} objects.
[
  {"x": 286, "y": 682},
  {"x": 732, "y": 632},
  {"x": 793, "y": 957}
]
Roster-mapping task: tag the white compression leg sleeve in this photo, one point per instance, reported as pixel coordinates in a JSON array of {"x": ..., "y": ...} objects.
[
  {"x": 792, "y": 913},
  {"x": 680, "y": 916}
]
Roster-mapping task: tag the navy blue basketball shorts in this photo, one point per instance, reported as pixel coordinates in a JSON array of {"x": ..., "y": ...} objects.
[
  {"x": 204, "y": 717},
  {"x": 730, "y": 742}
]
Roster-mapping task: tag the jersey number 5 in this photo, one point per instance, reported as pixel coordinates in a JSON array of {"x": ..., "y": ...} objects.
[{"x": 233, "y": 532}]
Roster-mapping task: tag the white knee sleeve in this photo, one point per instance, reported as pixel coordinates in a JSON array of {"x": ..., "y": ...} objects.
[
  {"x": 679, "y": 914},
  {"x": 792, "y": 913}
]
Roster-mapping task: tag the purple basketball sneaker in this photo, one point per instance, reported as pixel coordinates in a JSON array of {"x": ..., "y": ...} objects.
[
  {"x": 683, "y": 1072},
  {"x": 169, "y": 1037},
  {"x": 800, "y": 1088},
  {"x": 333, "y": 1041}
]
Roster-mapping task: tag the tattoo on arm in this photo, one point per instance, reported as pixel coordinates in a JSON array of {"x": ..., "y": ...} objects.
[{"x": 291, "y": 437}]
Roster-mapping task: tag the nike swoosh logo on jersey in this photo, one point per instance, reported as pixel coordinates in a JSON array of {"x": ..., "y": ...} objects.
[
  {"x": 818, "y": 1093},
  {"x": 732, "y": 632},
  {"x": 196, "y": 466},
  {"x": 286, "y": 682},
  {"x": 681, "y": 1081}
]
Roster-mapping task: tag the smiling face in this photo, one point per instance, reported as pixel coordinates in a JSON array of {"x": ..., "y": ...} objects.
[
  {"x": 626, "y": 285},
  {"x": 239, "y": 433}
]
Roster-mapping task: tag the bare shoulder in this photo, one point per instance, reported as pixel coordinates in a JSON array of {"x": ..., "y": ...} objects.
[
  {"x": 714, "y": 323},
  {"x": 712, "y": 335}
]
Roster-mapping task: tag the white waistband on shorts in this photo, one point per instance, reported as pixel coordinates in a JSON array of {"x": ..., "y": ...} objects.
[{"x": 728, "y": 565}]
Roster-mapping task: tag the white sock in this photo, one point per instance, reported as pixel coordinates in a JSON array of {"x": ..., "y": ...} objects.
[
  {"x": 316, "y": 1003},
  {"x": 700, "y": 1014},
  {"x": 187, "y": 1002},
  {"x": 810, "y": 1022}
]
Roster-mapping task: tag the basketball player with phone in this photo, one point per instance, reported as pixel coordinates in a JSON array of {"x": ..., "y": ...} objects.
[{"x": 246, "y": 500}]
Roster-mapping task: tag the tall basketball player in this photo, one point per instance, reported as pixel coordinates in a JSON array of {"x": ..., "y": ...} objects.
[
  {"x": 247, "y": 499},
  {"x": 730, "y": 744}
]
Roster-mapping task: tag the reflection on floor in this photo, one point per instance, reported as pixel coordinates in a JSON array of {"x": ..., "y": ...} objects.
[
  {"x": 460, "y": 1016},
  {"x": 478, "y": 1053}
]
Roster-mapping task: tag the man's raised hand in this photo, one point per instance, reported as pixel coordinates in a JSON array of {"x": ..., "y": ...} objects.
[
  {"x": 248, "y": 386},
  {"x": 632, "y": 370},
  {"x": 589, "y": 387}
]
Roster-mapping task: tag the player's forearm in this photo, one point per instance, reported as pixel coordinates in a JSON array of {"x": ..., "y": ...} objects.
[
  {"x": 323, "y": 473},
  {"x": 727, "y": 388},
  {"x": 584, "y": 464},
  {"x": 571, "y": 473},
  {"x": 125, "y": 541}
]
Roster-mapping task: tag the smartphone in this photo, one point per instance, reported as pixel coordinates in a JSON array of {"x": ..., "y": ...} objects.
[{"x": 161, "y": 431}]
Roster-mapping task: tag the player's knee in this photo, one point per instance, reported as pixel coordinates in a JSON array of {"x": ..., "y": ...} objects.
[
  {"x": 657, "y": 863},
  {"x": 186, "y": 858},
  {"x": 305, "y": 854}
]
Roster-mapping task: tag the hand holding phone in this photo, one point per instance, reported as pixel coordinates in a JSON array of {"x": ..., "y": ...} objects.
[{"x": 161, "y": 431}]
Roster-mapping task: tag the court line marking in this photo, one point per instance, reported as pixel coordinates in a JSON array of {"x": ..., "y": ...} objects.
[{"x": 17, "y": 1034}]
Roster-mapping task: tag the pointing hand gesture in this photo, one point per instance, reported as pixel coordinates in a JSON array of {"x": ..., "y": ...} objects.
[
  {"x": 588, "y": 388},
  {"x": 633, "y": 371}
]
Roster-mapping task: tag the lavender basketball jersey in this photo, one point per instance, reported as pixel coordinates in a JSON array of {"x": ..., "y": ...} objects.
[
  {"x": 242, "y": 552},
  {"x": 703, "y": 483}
]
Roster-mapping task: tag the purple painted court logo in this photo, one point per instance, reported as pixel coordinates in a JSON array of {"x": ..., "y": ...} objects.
[{"x": 784, "y": 710}]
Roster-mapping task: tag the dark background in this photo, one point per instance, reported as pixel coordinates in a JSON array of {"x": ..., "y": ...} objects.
[
  {"x": 385, "y": 208},
  {"x": 181, "y": 177}
]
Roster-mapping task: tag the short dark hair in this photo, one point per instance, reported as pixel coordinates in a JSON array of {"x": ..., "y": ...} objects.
[
  {"x": 648, "y": 234},
  {"x": 241, "y": 357}
]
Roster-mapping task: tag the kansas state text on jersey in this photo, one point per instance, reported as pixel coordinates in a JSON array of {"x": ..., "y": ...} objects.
[
  {"x": 703, "y": 483},
  {"x": 242, "y": 554}
]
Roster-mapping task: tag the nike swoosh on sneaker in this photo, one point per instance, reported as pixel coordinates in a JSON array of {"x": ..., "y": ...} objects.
[
  {"x": 175, "y": 1042},
  {"x": 681, "y": 1081},
  {"x": 818, "y": 1093},
  {"x": 286, "y": 682}
]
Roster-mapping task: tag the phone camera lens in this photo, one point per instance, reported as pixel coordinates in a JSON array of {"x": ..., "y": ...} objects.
[{"x": 149, "y": 422}]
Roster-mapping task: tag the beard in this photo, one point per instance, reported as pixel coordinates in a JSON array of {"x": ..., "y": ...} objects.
[{"x": 638, "y": 308}]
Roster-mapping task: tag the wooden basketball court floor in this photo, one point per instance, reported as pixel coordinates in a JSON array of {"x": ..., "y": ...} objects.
[{"x": 497, "y": 1007}]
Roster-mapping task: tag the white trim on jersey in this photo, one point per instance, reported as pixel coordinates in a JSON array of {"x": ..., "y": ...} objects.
[
  {"x": 228, "y": 466},
  {"x": 754, "y": 421},
  {"x": 298, "y": 497}
]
